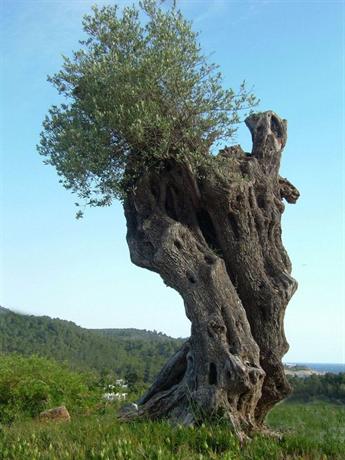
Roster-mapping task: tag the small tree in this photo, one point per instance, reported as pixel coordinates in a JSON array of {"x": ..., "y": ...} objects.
[
  {"x": 144, "y": 110},
  {"x": 137, "y": 95}
]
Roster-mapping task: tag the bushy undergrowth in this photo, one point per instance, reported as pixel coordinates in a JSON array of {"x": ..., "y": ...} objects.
[
  {"x": 29, "y": 385},
  {"x": 329, "y": 387}
]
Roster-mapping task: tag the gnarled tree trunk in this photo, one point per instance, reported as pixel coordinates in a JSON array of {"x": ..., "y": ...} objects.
[{"x": 215, "y": 237}]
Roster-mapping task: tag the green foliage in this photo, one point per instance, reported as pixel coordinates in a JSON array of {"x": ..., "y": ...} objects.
[
  {"x": 328, "y": 386},
  {"x": 139, "y": 91},
  {"x": 132, "y": 334},
  {"x": 29, "y": 385},
  {"x": 118, "y": 352},
  {"x": 310, "y": 432}
]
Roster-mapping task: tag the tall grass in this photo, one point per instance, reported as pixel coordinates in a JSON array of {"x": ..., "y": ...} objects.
[{"x": 312, "y": 431}]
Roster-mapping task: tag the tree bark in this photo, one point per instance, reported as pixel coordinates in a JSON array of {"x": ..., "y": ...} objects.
[{"x": 215, "y": 237}]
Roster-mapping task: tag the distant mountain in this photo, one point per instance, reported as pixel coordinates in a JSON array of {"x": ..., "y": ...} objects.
[{"x": 120, "y": 350}]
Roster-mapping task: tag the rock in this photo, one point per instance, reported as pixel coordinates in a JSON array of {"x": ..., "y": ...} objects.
[
  {"x": 128, "y": 411},
  {"x": 188, "y": 420},
  {"x": 56, "y": 414}
]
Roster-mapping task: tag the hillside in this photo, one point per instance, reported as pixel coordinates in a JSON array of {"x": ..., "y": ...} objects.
[
  {"x": 134, "y": 334},
  {"x": 122, "y": 351}
]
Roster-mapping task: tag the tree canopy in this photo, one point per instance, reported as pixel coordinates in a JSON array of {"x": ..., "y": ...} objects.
[{"x": 138, "y": 91}]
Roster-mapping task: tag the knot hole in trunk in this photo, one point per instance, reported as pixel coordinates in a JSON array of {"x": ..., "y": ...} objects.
[
  {"x": 208, "y": 231},
  {"x": 212, "y": 374}
]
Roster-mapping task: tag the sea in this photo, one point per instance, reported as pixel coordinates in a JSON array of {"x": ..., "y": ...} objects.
[{"x": 335, "y": 368}]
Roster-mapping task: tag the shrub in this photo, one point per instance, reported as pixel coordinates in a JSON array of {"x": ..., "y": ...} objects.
[{"x": 29, "y": 385}]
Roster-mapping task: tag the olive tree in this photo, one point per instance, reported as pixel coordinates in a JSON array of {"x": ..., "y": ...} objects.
[{"x": 143, "y": 112}]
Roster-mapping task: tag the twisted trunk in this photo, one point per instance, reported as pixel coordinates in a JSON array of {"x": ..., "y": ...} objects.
[{"x": 215, "y": 237}]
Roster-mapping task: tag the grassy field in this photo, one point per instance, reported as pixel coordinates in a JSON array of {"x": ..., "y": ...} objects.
[{"x": 311, "y": 431}]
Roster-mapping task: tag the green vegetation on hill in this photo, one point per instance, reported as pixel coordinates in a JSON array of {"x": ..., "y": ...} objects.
[
  {"x": 134, "y": 354},
  {"x": 135, "y": 334},
  {"x": 123, "y": 352},
  {"x": 328, "y": 386}
]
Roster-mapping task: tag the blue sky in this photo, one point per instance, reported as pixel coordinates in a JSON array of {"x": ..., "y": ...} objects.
[{"x": 52, "y": 264}]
